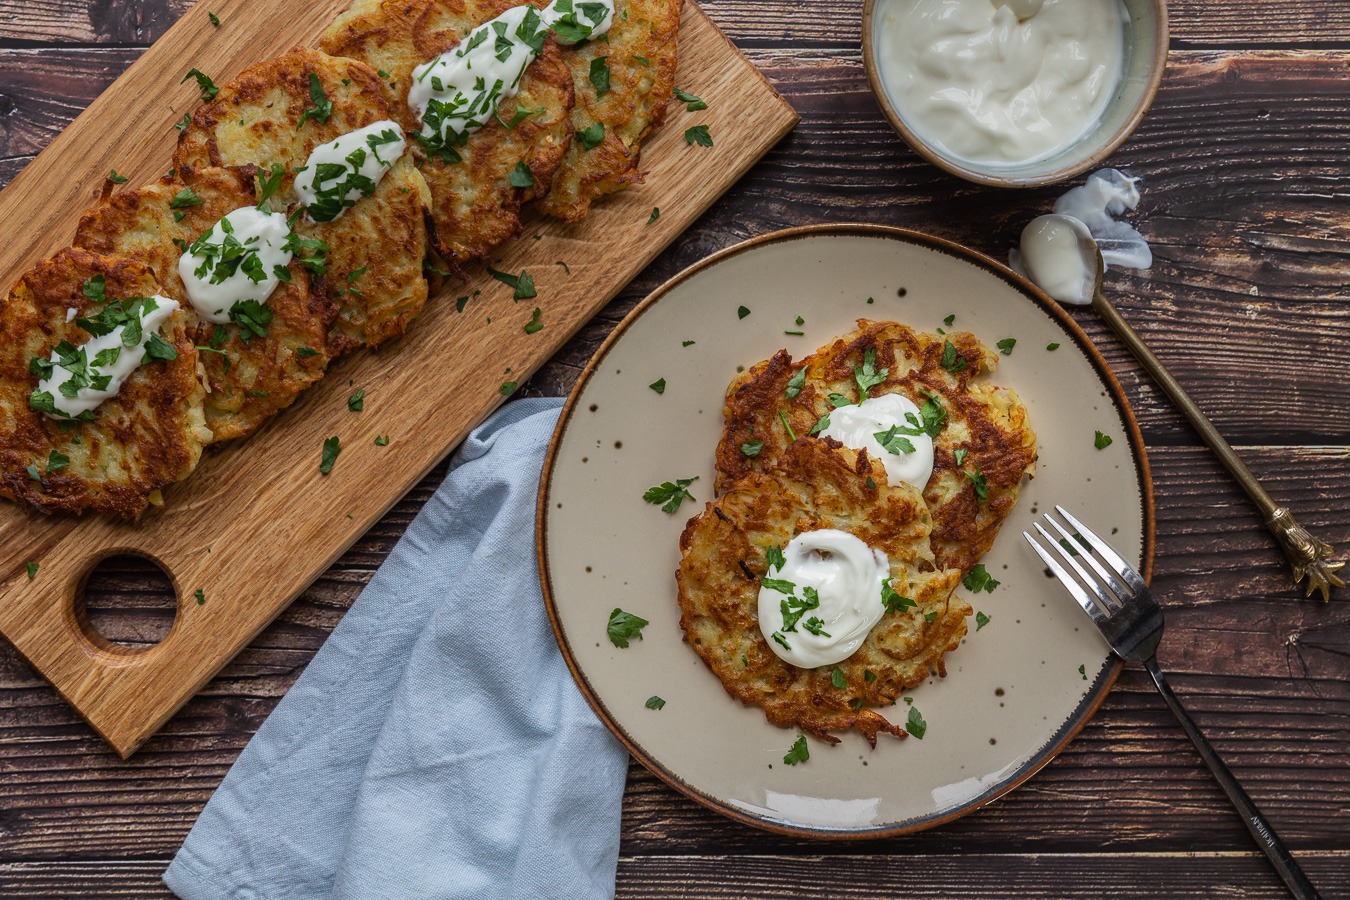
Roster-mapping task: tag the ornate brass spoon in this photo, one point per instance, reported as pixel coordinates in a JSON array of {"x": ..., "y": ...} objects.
[{"x": 1309, "y": 557}]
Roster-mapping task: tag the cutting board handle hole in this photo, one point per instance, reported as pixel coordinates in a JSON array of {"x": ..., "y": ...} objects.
[{"x": 126, "y": 604}]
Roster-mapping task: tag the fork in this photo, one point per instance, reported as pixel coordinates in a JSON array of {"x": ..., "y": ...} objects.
[{"x": 1125, "y": 611}]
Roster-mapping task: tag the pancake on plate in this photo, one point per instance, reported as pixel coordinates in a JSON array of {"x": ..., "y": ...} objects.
[
  {"x": 248, "y": 378},
  {"x": 637, "y": 58},
  {"x": 982, "y": 425},
  {"x": 813, "y": 485},
  {"x": 147, "y": 437},
  {"x": 269, "y": 115},
  {"x": 475, "y": 207}
]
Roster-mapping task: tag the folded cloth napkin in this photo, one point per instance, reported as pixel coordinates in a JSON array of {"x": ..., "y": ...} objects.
[{"x": 436, "y": 747}]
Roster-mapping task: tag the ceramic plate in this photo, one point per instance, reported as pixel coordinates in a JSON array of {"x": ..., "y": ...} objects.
[{"x": 1017, "y": 689}]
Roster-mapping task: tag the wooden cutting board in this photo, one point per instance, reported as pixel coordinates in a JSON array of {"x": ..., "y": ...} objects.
[{"x": 257, "y": 523}]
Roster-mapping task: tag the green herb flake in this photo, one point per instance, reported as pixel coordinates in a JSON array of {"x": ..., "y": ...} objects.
[
  {"x": 592, "y": 137},
  {"x": 669, "y": 495},
  {"x": 978, "y": 579},
  {"x": 521, "y": 176},
  {"x": 799, "y": 752},
  {"x": 695, "y": 103},
  {"x": 322, "y": 108},
  {"x": 304, "y": 352},
  {"x": 796, "y": 383},
  {"x": 893, "y": 442},
  {"x": 952, "y": 360},
  {"x": 331, "y": 448},
  {"x": 382, "y": 441},
  {"x": 33, "y": 570},
  {"x": 117, "y": 179},
  {"x": 656, "y": 214},
  {"x": 950, "y": 320},
  {"x": 184, "y": 199},
  {"x": 57, "y": 461},
  {"x": 1082, "y": 670},
  {"x": 215, "y": 19},
  {"x": 981, "y": 484},
  {"x": 1052, "y": 347},
  {"x": 687, "y": 343},
  {"x": 508, "y": 388},
  {"x": 869, "y": 676},
  {"x": 1006, "y": 346},
  {"x": 782, "y": 417},
  {"x": 599, "y": 75},
  {"x": 655, "y": 702},
  {"x": 698, "y": 135},
  {"x": 742, "y": 312},
  {"x": 838, "y": 679},
  {"x": 182, "y": 125},
  {"x": 981, "y": 620},
  {"x": 659, "y": 385},
  {"x": 867, "y": 375},
  {"x": 892, "y": 600},
  {"x": 773, "y": 556},
  {"x": 204, "y": 83},
  {"x": 624, "y": 627},
  {"x": 357, "y": 402},
  {"x": 821, "y": 424},
  {"x": 1102, "y": 441},
  {"x": 522, "y": 284},
  {"x": 961, "y": 456},
  {"x": 752, "y": 448},
  {"x": 201, "y": 596},
  {"x": 536, "y": 323},
  {"x": 782, "y": 641},
  {"x": 916, "y": 725}
]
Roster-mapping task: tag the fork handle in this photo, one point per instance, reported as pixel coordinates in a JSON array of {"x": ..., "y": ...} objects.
[{"x": 1261, "y": 829}]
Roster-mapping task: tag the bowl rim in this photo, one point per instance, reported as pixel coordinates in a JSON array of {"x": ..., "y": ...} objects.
[{"x": 1093, "y": 160}]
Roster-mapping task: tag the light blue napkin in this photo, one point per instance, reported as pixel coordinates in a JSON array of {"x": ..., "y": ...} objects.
[{"x": 437, "y": 746}]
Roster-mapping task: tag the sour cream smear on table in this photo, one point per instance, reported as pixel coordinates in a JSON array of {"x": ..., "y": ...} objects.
[
  {"x": 459, "y": 92},
  {"x": 343, "y": 172},
  {"x": 908, "y": 453},
  {"x": 819, "y": 605},
  {"x": 1001, "y": 82},
  {"x": 240, "y": 259}
]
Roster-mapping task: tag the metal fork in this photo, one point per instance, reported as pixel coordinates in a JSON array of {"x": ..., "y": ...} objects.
[{"x": 1124, "y": 610}]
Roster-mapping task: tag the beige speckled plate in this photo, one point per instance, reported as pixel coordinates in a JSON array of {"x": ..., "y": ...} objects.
[{"x": 1017, "y": 690}]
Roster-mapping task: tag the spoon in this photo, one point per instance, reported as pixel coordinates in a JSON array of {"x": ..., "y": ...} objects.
[{"x": 1308, "y": 557}]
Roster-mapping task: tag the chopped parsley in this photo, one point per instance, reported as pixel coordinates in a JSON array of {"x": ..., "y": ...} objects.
[
  {"x": 215, "y": 19},
  {"x": 775, "y": 558},
  {"x": 981, "y": 620},
  {"x": 796, "y": 383},
  {"x": 1052, "y": 346},
  {"x": 115, "y": 178},
  {"x": 508, "y": 388},
  {"x": 980, "y": 483},
  {"x": 698, "y": 135},
  {"x": 687, "y": 343},
  {"x": 522, "y": 284},
  {"x": 950, "y": 320},
  {"x": 669, "y": 495},
  {"x": 592, "y": 137},
  {"x": 782, "y": 417},
  {"x": 952, "y": 360},
  {"x": 303, "y": 352},
  {"x": 253, "y": 319},
  {"x": 182, "y": 124},
  {"x": 536, "y": 323},
  {"x": 961, "y": 456},
  {"x": 522, "y": 176},
  {"x": 599, "y": 75},
  {"x": 867, "y": 375},
  {"x": 934, "y": 416},
  {"x": 322, "y": 108},
  {"x": 821, "y": 424},
  {"x": 1006, "y": 346},
  {"x": 892, "y": 600},
  {"x": 269, "y": 182},
  {"x": 893, "y": 442},
  {"x": 979, "y": 579},
  {"x": 916, "y": 724},
  {"x": 1102, "y": 441},
  {"x": 799, "y": 752},
  {"x": 357, "y": 402},
  {"x": 656, "y": 214},
  {"x": 382, "y": 441},
  {"x": 204, "y": 83},
  {"x": 742, "y": 312},
  {"x": 779, "y": 639},
  {"x": 183, "y": 201},
  {"x": 695, "y": 103},
  {"x": 331, "y": 448},
  {"x": 659, "y": 385},
  {"x": 201, "y": 596},
  {"x": 869, "y": 676},
  {"x": 33, "y": 570},
  {"x": 655, "y": 702},
  {"x": 57, "y": 461},
  {"x": 752, "y": 448},
  {"x": 624, "y": 627},
  {"x": 1082, "y": 670},
  {"x": 838, "y": 680}
]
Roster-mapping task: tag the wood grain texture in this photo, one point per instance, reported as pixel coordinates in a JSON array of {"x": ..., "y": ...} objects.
[{"x": 1246, "y": 177}]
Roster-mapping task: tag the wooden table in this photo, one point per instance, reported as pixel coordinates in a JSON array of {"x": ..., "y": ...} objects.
[{"x": 1246, "y": 161}]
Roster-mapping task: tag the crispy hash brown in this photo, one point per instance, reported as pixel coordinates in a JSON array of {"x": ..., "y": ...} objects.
[
  {"x": 816, "y": 484},
  {"x": 639, "y": 54},
  {"x": 376, "y": 250},
  {"x": 249, "y": 379},
  {"x": 986, "y": 425},
  {"x": 475, "y": 207},
  {"x": 143, "y": 440}
]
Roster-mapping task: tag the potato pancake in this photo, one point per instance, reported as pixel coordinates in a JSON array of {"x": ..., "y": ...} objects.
[
  {"x": 475, "y": 208},
  {"x": 816, "y": 484},
  {"x": 147, "y": 437},
  {"x": 249, "y": 378},
  {"x": 622, "y": 85},
  {"x": 984, "y": 449},
  {"x": 270, "y": 115}
]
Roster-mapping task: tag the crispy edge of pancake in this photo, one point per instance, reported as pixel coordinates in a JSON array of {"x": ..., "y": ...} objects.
[
  {"x": 148, "y": 437},
  {"x": 989, "y": 423},
  {"x": 383, "y": 237},
  {"x": 248, "y": 381},
  {"x": 634, "y": 107},
  {"x": 475, "y": 208},
  {"x": 817, "y": 484}
]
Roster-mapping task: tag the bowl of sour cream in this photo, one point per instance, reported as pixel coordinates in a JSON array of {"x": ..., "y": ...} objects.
[{"x": 1015, "y": 93}]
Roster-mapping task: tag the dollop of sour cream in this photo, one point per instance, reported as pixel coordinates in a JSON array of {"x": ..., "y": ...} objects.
[
  {"x": 343, "y": 172},
  {"x": 908, "y": 452},
  {"x": 458, "y": 92},
  {"x": 1001, "y": 82},
  {"x": 82, "y": 378},
  {"x": 238, "y": 260},
  {"x": 818, "y": 607},
  {"x": 1056, "y": 255}
]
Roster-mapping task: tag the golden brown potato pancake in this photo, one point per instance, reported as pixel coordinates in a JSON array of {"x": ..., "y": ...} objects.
[
  {"x": 639, "y": 53},
  {"x": 816, "y": 484},
  {"x": 377, "y": 248},
  {"x": 147, "y": 437},
  {"x": 474, "y": 206},
  {"x": 249, "y": 378},
  {"x": 986, "y": 425}
]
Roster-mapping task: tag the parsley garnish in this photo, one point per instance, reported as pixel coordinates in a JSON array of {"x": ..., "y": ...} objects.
[
  {"x": 893, "y": 601},
  {"x": 796, "y": 383},
  {"x": 522, "y": 284},
  {"x": 799, "y": 752},
  {"x": 207, "y": 86},
  {"x": 670, "y": 494},
  {"x": 624, "y": 626},
  {"x": 782, "y": 417},
  {"x": 695, "y": 103},
  {"x": 57, "y": 461},
  {"x": 949, "y": 320},
  {"x": 536, "y": 323},
  {"x": 1082, "y": 670},
  {"x": 115, "y": 178},
  {"x": 508, "y": 388},
  {"x": 742, "y": 312},
  {"x": 33, "y": 570},
  {"x": 867, "y": 375},
  {"x": 869, "y": 676},
  {"x": 253, "y": 319},
  {"x": 592, "y": 137},
  {"x": 1102, "y": 441},
  {"x": 655, "y": 702},
  {"x": 659, "y": 385},
  {"x": 934, "y": 416},
  {"x": 952, "y": 360},
  {"x": 182, "y": 201},
  {"x": 892, "y": 441},
  {"x": 821, "y": 424},
  {"x": 838, "y": 680},
  {"x": 331, "y": 448},
  {"x": 183, "y": 123},
  {"x": 600, "y": 75},
  {"x": 201, "y": 596},
  {"x": 687, "y": 343},
  {"x": 322, "y": 108},
  {"x": 979, "y": 579},
  {"x": 961, "y": 456},
  {"x": 1052, "y": 346},
  {"x": 269, "y": 182},
  {"x": 752, "y": 448},
  {"x": 698, "y": 135},
  {"x": 781, "y": 586},
  {"x": 382, "y": 441},
  {"x": 1006, "y": 346},
  {"x": 916, "y": 725},
  {"x": 357, "y": 402},
  {"x": 778, "y": 637},
  {"x": 775, "y": 558},
  {"x": 521, "y": 176},
  {"x": 215, "y": 19},
  {"x": 656, "y": 214},
  {"x": 981, "y": 620},
  {"x": 981, "y": 484}
]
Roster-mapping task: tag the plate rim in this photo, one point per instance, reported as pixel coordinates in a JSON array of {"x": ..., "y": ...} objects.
[{"x": 1081, "y": 714}]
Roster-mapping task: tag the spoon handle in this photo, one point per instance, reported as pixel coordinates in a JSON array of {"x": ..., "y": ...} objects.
[{"x": 1308, "y": 556}]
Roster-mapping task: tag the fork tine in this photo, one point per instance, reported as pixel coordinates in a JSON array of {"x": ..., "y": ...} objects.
[
  {"x": 1108, "y": 602},
  {"x": 1086, "y": 553},
  {"x": 1067, "y": 580},
  {"x": 1132, "y": 578}
]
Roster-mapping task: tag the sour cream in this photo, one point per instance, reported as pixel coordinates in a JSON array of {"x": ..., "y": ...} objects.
[
  {"x": 119, "y": 360},
  {"x": 458, "y": 92},
  {"x": 236, "y": 261},
  {"x": 858, "y": 427},
  {"x": 1001, "y": 82},
  {"x": 343, "y": 172},
  {"x": 835, "y": 582}
]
